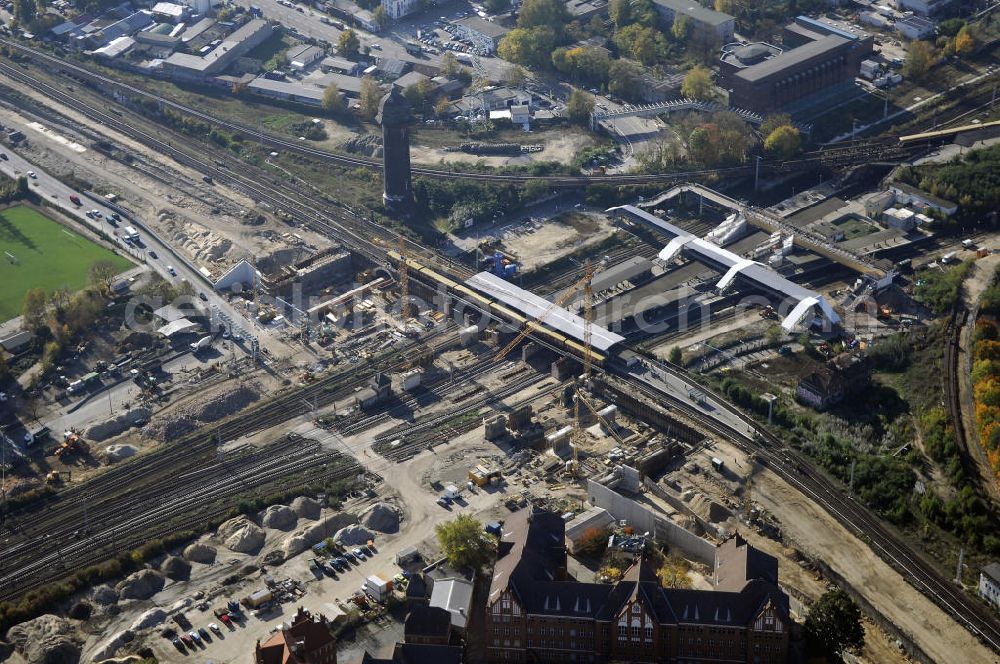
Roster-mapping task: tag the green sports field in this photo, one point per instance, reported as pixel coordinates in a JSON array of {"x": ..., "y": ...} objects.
[{"x": 45, "y": 254}]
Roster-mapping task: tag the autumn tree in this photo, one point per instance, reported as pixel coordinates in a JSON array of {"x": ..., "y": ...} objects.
[
  {"x": 964, "y": 43},
  {"x": 579, "y": 106},
  {"x": 531, "y": 47},
  {"x": 697, "y": 83},
  {"x": 550, "y": 14},
  {"x": 369, "y": 97},
  {"x": 33, "y": 311},
  {"x": 333, "y": 102},
  {"x": 834, "y": 624},
  {"x": 449, "y": 64},
  {"x": 348, "y": 45},
  {"x": 920, "y": 58},
  {"x": 673, "y": 572},
  {"x": 101, "y": 274},
  {"x": 784, "y": 142},
  {"x": 593, "y": 542},
  {"x": 380, "y": 17},
  {"x": 681, "y": 28},
  {"x": 624, "y": 80},
  {"x": 465, "y": 543}
]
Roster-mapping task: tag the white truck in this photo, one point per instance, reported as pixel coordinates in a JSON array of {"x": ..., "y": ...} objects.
[
  {"x": 204, "y": 342},
  {"x": 130, "y": 234}
]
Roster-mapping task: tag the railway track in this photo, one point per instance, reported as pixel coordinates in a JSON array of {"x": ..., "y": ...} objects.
[
  {"x": 853, "y": 153},
  {"x": 189, "y": 500},
  {"x": 966, "y": 610}
]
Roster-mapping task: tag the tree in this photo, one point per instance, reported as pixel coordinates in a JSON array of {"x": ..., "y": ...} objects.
[
  {"x": 25, "y": 11},
  {"x": 784, "y": 142},
  {"x": 593, "y": 542},
  {"x": 496, "y": 6},
  {"x": 441, "y": 106},
  {"x": 449, "y": 64},
  {"x": 674, "y": 572},
  {"x": 380, "y": 17},
  {"x": 514, "y": 76},
  {"x": 418, "y": 94},
  {"x": 964, "y": 43},
  {"x": 369, "y": 97},
  {"x": 579, "y": 106},
  {"x": 33, "y": 310},
  {"x": 698, "y": 83},
  {"x": 681, "y": 27},
  {"x": 674, "y": 356},
  {"x": 834, "y": 624},
  {"x": 333, "y": 102},
  {"x": 774, "y": 121},
  {"x": 4, "y": 366},
  {"x": 920, "y": 58},
  {"x": 465, "y": 543},
  {"x": 550, "y": 14},
  {"x": 100, "y": 274},
  {"x": 531, "y": 47},
  {"x": 624, "y": 80},
  {"x": 348, "y": 45},
  {"x": 620, "y": 12}
]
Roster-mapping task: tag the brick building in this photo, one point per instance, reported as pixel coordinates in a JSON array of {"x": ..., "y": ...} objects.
[
  {"x": 828, "y": 384},
  {"x": 535, "y": 614},
  {"x": 306, "y": 640},
  {"x": 818, "y": 60}
]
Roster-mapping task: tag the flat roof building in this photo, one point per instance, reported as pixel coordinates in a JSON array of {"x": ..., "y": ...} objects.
[
  {"x": 705, "y": 22},
  {"x": 288, "y": 91},
  {"x": 236, "y": 45},
  {"x": 485, "y": 35},
  {"x": 764, "y": 81}
]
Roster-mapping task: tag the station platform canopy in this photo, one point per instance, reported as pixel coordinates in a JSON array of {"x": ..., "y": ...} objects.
[{"x": 533, "y": 306}]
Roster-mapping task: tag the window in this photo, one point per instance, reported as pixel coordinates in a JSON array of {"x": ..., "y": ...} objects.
[
  {"x": 635, "y": 632},
  {"x": 622, "y": 631},
  {"x": 649, "y": 632}
]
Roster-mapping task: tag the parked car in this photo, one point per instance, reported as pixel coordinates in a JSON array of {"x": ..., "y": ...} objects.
[
  {"x": 215, "y": 628},
  {"x": 171, "y": 270},
  {"x": 194, "y": 636},
  {"x": 226, "y": 620},
  {"x": 31, "y": 174}
]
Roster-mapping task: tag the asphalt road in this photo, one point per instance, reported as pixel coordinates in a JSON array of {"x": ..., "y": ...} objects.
[{"x": 166, "y": 262}]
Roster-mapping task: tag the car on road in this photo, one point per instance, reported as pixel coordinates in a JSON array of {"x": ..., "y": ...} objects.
[
  {"x": 204, "y": 298},
  {"x": 3, "y": 155},
  {"x": 97, "y": 214},
  {"x": 376, "y": 47},
  {"x": 171, "y": 270},
  {"x": 31, "y": 174},
  {"x": 152, "y": 254}
]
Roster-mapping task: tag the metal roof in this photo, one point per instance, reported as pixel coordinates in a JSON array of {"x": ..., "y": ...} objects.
[
  {"x": 779, "y": 63},
  {"x": 533, "y": 306},
  {"x": 735, "y": 265},
  {"x": 696, "y": 11}
]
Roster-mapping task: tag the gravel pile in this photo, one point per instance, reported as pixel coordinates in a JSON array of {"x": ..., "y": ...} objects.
[
  {"x": 241, "y": 535},
  {"x": 176, "y": 568},
  {"x": 306, "y": 508},
  {"x": 200, "y": 553},
  {"x": 382, "y": 517},
  {"x": 47, "y": 639},
  {"x": 141, "y": 585},
  {"x": 115, "y": 453},
  {"x": 369, "y": 144},
  {"x": 280, "y": 517},
  {"x": 150, "y": 618},
  {"x": 328, "y": 527},
  {"x": 120, "y": 424},
  {"x": 353, "y": 535},
  {"x": 188, "y": 418}
]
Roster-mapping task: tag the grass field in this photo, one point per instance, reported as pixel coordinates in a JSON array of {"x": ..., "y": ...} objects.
[{"x": 47, "y": 255}]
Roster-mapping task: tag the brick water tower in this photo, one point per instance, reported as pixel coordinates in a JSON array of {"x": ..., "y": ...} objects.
[{"x": 394, "y": 116}]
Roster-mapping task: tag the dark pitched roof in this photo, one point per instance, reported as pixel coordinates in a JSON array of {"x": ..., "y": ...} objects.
[
  {"x": 720, "y": 607},
  {"x": 427, "y": 621},
  {"x": 993, "y": 571},
  {"x": 737, "y": 563}
]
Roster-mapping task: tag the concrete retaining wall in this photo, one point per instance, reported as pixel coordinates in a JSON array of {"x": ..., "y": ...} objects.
[{"x": 644, "y": 520}]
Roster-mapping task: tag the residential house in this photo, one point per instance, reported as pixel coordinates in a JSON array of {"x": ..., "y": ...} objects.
[
  {"x": 989, "y": 584},
  {"x": 307, "y": 639},
  {"x": 828, "y": 384},
  {"x": 428, "y": 625},
  {"x": 303, "y": 55}
]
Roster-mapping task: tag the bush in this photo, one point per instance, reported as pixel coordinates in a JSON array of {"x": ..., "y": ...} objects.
[{"x": 891, "y": 354}]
